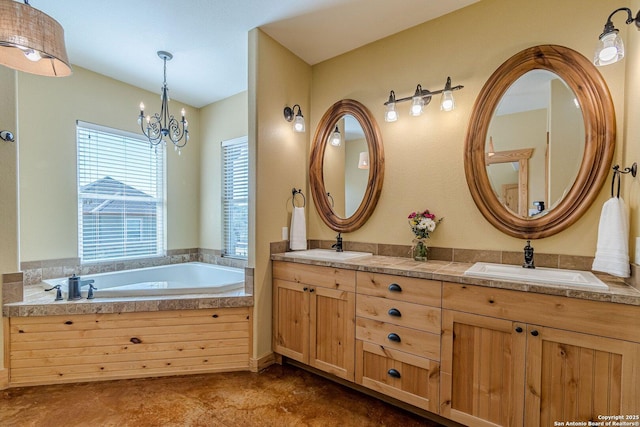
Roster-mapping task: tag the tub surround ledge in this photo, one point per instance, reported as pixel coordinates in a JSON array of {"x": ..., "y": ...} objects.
[
  {"x": 449, "y": 271},
  {"x": 36, "y": 302}
]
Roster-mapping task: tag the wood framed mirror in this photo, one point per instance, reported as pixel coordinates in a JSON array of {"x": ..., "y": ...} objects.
[
  {"x": 341, "y": 207},
  {"x": 590, "y": 96}
]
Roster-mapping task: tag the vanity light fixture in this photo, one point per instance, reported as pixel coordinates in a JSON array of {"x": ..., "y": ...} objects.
[
  {"x": 419, "y": 99},
  {"x": 31, "y": 41},
  {"x": 298, "y": 119},
  {"x": 160, "y": 126},
  {"x": 336, "y": 138},
  {"x": 610, "y": 47}
]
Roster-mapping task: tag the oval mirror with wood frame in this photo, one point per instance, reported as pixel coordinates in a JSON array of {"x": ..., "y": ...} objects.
[
  {"x": 331, "y": 120},
  {"x": 594, "y": 100}
]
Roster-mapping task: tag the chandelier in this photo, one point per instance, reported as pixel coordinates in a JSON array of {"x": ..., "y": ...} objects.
[{"x": 160, "y": 126}]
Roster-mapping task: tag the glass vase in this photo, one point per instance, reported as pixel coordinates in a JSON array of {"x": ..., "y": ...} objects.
[{"x": 420, "y": 251}]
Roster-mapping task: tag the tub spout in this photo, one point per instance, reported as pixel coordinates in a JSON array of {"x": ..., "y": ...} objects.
[{"x": 75, "y": 285}]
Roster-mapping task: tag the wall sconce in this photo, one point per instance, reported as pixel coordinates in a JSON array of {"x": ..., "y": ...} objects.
[
  {"x": 336, "y": 138},
  {"x": 363, "y": 161},
  {"x": 6, "y": 135},
  {"x": 610, "y": 47},
  {"x": 298, "y": 120},
  {"x": 419, "y": 99}
]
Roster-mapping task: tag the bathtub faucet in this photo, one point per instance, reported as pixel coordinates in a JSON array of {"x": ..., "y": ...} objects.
[{"x": 75, "y": 285}]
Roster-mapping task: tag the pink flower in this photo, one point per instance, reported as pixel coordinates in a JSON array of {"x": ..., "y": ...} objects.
[{"x": 412, "y": 215}]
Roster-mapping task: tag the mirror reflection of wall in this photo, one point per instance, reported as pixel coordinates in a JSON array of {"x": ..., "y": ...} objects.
[
  {"x": 343, "y": 179},
  {"x": 537, "y": 112}
]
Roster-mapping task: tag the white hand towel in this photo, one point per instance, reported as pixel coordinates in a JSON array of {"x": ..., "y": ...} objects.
[
  {"x": 612, "y": 251},
  {"x": 298, "y": 236}
]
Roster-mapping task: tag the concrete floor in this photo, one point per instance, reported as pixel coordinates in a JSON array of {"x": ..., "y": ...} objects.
[{"x": 278, "y": 396}]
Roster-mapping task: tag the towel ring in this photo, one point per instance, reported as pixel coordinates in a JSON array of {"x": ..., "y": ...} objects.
[
  {"x": 633, "y": 170},
  {"x": 330, "y": 197},
  {"x": 293, "y": 197}
]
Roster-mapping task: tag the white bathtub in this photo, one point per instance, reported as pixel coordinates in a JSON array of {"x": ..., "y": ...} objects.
[{"x": 175, "y": 279}]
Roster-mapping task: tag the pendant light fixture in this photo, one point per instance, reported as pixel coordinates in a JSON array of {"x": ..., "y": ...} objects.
[
  {"x": 31, "y": 41},
  {"x": 160, "y": 126}
]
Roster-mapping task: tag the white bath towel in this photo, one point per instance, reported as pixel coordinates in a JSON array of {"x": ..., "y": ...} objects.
[
  {"x": 612, "y": 251},
  {"x": 298, "y": 235}
]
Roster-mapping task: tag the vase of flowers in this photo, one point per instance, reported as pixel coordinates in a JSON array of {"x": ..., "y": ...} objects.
[{"x": 422, "y": 223}]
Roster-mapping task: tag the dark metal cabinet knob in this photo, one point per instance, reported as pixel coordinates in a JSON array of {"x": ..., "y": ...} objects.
[
  {"x": 394, "y": 337},
  {"x": 535, "y": 333},
  {"x": 519, "y": 329},
  {"x": 393, "y": 373},
  {"x": 394, "y": 287},
  {"x": 394, "y": 312}
]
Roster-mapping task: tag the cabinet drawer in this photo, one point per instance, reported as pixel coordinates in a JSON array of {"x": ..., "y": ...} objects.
[
  {"x": 326, "y": 277},
  {"x": 574, "y": 314},
  {"x": 422, "y": 317},
  {"x": 403, "y": 376},
  {"x": 409, "y": 289},
  {"x": 419, "y": 343}
]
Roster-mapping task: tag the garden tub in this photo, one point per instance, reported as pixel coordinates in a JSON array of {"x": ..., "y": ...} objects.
[{"x": 174, "y": 279}]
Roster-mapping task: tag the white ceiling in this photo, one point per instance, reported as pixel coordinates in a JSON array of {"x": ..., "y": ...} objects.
[{"x": 208, "y": 38}]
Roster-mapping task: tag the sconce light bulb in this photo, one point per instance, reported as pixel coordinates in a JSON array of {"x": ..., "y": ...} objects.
[
  {"x": 391, "y": 115},
  {"x": 31, "y": 54},
  {"x": 298, "y": 123},
  {"x": 416, "y": 106},
  {"x": 336, "y": 138},
  {"x": 610, "y": 49},
  {"x": 363, "y": 160},
  {"x": 447, "y": 103}
]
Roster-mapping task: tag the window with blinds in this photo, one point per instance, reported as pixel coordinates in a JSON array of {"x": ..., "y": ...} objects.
[
  {"x": 235, "y": 197},
  {"x": 121, "y": 195}
]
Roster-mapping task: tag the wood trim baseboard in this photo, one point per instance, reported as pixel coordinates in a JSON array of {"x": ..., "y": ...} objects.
[{"x": 256, "y": 365}]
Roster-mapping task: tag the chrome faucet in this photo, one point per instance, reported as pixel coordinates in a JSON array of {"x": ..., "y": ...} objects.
[
  {"x": 75, "y": 286},
  {"x": 338, "y": 244},
  {"x": 528, "y": 256}
]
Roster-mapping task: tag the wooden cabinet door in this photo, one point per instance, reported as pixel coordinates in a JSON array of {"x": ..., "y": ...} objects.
[
  {"x": 482, "y": 370},
  {"x": 575, "y": 376},
  {"x": 291, "y": 320},
  {"x": 332, "y": 331}
]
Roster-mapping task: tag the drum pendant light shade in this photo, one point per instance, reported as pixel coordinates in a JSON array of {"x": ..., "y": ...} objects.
[{"x": 31, "y": 41}]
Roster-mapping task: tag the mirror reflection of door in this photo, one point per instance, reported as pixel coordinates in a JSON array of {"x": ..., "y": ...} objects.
[
  {"x": 343, "y": 179},
  {"x": 538, "y": 112}
]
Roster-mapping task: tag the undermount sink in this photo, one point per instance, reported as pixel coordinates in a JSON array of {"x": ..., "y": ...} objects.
[
  {"x": 541, "y": 275},
  {"x": 328, "y": 255}
]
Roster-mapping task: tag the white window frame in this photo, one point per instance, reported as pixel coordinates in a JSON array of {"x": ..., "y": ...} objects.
[
  {"x": 97, "y": 167},
  {"x": 226, "y": 241}
]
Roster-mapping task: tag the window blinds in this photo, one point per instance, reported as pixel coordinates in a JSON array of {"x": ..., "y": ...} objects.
[
  {"x": 235, "y": 197},
  {"x": 121, "y": 195}
]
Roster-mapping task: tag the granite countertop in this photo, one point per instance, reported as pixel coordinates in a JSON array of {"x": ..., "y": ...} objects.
[
  {"x": 36, "y": 302},
  {"x": 618, "y": 292}
]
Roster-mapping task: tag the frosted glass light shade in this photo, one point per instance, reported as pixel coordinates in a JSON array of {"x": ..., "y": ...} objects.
[
  {"x": 363, "y": 161},
  {"x": 610, "y": 49}
]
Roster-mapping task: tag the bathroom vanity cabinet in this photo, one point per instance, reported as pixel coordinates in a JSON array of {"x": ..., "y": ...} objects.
[
  {"x": 91, "y": 347},
  {"x": 314, "y": 313},
  {"x": 481, "y": 356},
  {"x": 512, "y": 358}
]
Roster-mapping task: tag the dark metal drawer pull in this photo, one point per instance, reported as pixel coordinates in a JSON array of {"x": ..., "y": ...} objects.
[
  {"x": 394, "y": 312},
  {"x": 393, "y": 373},
  {"x": 394, "y": 337},
  {"x": 394, "y": 287}
]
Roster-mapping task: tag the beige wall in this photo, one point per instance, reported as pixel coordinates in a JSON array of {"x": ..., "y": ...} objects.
[
  {"x": 47, "y": 111},
  {"x": 277, "y": 78},
  {"x": 628, "y": 143},
  {"x": 220, "y": 121},
  {"x": 8, "y": 188},
  {"x": 424, "y": 155}
]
